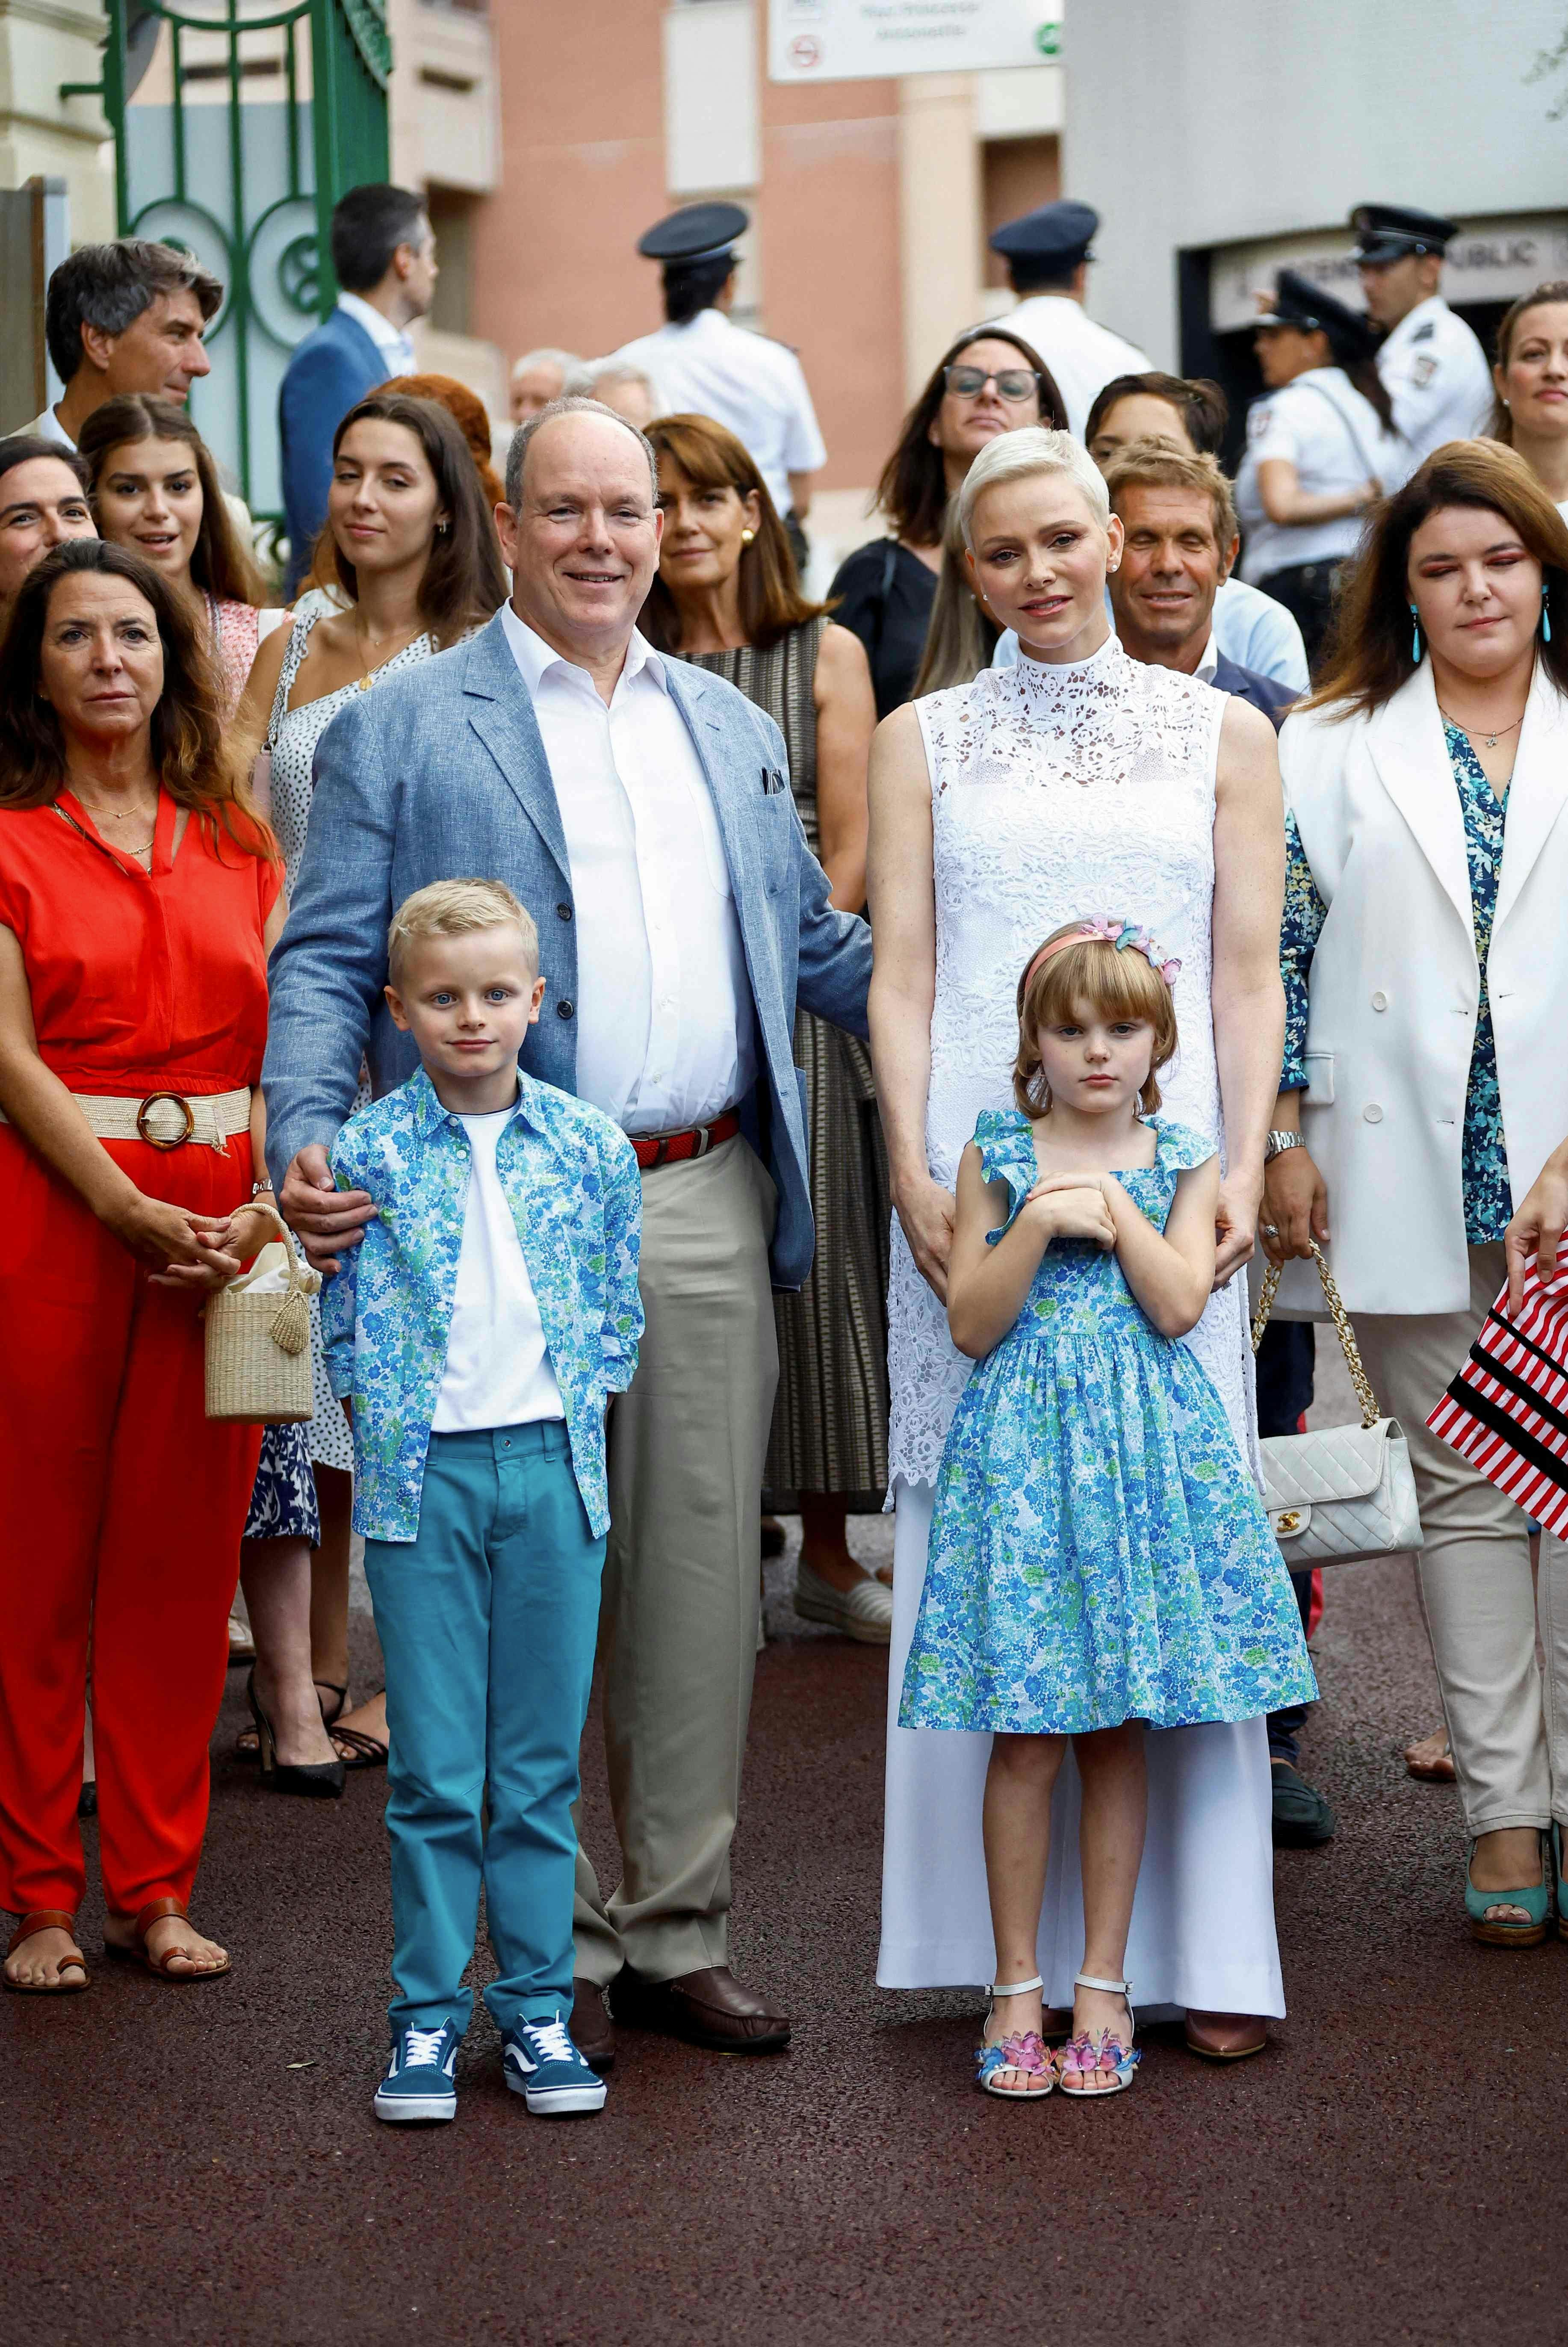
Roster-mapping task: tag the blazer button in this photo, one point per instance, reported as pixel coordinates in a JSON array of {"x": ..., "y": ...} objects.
[
  {"x": 1372, "y": 1112},
  {"x": 563, "y": 912},
  {"x": 564, "y": 1010},
  {"x": 1380, "y": 1000}
]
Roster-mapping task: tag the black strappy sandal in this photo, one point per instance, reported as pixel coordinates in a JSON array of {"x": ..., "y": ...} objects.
[
  {"x": 247, "y": 1744},
  {"x": 357, "y": 1749}
]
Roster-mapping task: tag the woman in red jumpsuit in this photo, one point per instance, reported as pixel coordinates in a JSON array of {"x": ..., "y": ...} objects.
[{"x": 138, "y": 898}]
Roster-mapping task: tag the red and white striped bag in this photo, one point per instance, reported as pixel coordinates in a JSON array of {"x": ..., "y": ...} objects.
[{"x": 1506, "y": 1408}]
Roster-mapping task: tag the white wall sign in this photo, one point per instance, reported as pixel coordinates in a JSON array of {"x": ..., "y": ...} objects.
[
  {"x": 1490, "y": 260},
  {"x": 863, "y": 40}
]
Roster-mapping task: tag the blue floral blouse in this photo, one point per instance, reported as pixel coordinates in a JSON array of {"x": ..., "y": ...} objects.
[
  {"x": 1483, "y": 1162},
  {"x": 570, "y": 1178}
]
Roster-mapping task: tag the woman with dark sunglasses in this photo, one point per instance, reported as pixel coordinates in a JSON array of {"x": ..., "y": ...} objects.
[{"x": 990, "y": 381}]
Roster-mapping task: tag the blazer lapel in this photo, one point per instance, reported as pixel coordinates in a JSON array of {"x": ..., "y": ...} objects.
[
  {"x": 689, "y": 690},
  {"x": 502, "y": 714},
  {"x": 1406, "y": 745},
  {"x": 1538, "y": 791}
]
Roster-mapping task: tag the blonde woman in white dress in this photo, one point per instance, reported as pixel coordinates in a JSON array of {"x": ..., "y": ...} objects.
[{"x": 1079, "y": 783}]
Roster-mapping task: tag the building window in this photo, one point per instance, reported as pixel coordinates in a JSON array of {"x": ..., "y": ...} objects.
[
  {"x": 1015, "y": 176},
  {"x": 452, "y": 218}
]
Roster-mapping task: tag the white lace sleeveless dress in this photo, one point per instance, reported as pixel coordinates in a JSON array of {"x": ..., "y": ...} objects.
[
  {"x": 1087, "y": 788},
  {"x": 291, "y": 737}
]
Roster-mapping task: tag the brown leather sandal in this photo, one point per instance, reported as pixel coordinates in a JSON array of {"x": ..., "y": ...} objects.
[
  {"x": 139, "y": 1953},
  {"x": 49, "y": 1919}
]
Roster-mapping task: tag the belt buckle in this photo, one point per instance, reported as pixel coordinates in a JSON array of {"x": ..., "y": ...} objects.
[{"x": 175, "y": 1141}]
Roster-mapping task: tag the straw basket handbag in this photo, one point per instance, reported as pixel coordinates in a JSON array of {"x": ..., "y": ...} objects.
[
  {"x": 1341, "y": 1492},
  {"x": 259, "y": 1343}
]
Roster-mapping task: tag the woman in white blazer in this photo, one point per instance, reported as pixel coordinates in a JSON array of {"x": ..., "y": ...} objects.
[{"x": 1425, "y": 953}]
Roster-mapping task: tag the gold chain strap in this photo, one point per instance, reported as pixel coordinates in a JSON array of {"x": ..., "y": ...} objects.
[{"x": 1370, "y": 1413}]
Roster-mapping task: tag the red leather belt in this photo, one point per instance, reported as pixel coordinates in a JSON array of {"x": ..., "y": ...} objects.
[{"x": 675, "y": 1148}]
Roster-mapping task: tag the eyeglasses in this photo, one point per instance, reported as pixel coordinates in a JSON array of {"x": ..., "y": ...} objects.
[{"x": 1014, "y": 385}]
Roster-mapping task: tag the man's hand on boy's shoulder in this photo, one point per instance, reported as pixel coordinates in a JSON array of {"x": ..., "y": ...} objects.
[{"x": 327, "y": 1220}]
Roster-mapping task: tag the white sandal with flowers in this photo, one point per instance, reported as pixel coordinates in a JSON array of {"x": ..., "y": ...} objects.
[
  {"x": 1098, "y": 2051},
  {"x": 1023, "y": 2052}
]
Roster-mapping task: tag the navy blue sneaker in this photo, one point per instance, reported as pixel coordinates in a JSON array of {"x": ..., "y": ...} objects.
[
  {"x": 418, "y": 2081},
  {"x": 543, "y": 2066}
]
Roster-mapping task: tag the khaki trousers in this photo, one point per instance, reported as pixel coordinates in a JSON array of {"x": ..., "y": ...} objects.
[
  {"x": 1507, "y": 1723},
  {"x": 677, "y": 1624}
]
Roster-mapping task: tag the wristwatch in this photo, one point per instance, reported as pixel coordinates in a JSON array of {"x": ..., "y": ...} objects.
[{"x": 1278, "y": 1143}]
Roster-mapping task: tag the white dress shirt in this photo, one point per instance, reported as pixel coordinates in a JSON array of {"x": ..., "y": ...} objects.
[
  {"x": 499, "y": 1370},
  {"x": 391, "y": 341},
  {"x": 1082, "y": 357},
  {"x": 1435, "y": 373},
  {"x": 48, "y": 426},
  {"x": 753, "y": 386},
  {"x": 665, "y": 1025}
]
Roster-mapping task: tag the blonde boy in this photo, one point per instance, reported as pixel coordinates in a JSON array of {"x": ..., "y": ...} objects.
[{"x": 477, "y": 1333}]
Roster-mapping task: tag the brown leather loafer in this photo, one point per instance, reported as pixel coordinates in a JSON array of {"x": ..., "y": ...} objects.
[
  {"x": 706, "y": 2008},
  {"x": 591, "y": 2031},
  {"x": 1225, "y": 2036}
]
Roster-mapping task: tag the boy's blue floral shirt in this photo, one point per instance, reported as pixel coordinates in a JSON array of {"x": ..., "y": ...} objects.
[{"x": 570, "y": 1177}]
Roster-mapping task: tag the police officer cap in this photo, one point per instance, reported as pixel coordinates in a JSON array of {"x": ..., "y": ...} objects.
[
  {"x": 1389, "y": 232},
  {"x": 1298, "y": 303},
  {"x": 696, "y": 232},
  {"x": 1057, "y": 236}
]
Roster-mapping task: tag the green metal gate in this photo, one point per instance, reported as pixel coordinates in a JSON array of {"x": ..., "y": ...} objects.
[{"x": 238, "y": 124}]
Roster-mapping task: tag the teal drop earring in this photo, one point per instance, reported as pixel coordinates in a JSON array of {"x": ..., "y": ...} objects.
[
  {"x": 1545, "y": 616},
  {"x": 1416, "y": 635}
]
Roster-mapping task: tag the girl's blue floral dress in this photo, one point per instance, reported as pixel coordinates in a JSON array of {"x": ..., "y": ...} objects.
[{"x": 1099, "y": 1552}]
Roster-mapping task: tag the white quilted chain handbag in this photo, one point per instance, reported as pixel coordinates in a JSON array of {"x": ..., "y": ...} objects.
[{"x": 1343, "y": 1493}]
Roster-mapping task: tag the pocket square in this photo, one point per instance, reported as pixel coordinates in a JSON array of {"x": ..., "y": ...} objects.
[{"x": 772, "y": 781}]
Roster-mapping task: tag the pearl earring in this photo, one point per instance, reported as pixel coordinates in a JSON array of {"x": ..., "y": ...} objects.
[{"x": 747, "y": 536}]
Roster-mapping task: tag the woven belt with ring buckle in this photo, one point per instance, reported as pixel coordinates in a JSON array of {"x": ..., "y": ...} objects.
[
  {"x": 165, "y": 1139},
  {"x": 166, "y": 1120},
  {"x": 676, "y": 1148}
]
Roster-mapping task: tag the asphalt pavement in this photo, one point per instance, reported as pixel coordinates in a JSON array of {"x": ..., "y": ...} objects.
[{"x": 202, "y": 2164}]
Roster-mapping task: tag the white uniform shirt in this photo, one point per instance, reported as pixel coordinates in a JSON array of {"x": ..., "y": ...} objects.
[
  {"x": 1081, "y": 356},
  {"x": 1332, "y": 435},
  {"x": 1435, "y": 372},
  {"x": 1248, "y": 626},
  {"x": 754, "y": 387},
  {"x": 665, "y": 1027},
  {"x": 499, "y": 1370},
  {"x": 391, "y": 343}
]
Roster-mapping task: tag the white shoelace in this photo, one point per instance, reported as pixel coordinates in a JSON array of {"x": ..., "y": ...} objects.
[
  {"x": 421, "y": 2049},
  {"x": 552, "y": 2038}
]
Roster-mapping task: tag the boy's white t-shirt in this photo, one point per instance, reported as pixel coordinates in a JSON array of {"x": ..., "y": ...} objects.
[{"x": 498, "y": 1369}]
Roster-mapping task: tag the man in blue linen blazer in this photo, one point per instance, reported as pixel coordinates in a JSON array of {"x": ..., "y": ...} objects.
[
  {"x": 336, "y": 364},
  {"x": 440, "y": 773}
]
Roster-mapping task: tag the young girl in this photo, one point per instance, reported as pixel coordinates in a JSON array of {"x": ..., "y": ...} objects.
[{"x": 1099, "y": 1560}]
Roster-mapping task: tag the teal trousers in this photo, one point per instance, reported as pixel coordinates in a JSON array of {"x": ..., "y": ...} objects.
[{"x": 488, "y": 1623}]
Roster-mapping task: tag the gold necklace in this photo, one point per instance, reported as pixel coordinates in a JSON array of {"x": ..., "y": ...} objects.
[{"x": 368, "y": 675}]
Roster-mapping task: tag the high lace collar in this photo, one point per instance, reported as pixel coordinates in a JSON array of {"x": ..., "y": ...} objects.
[{"x": 1057, "y": 688}]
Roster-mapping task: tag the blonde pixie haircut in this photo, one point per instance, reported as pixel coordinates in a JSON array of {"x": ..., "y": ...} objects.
[
  {"x": 1018, "y": 456},
  {"x": 1089, "y": 976},
  {"x": 457, "y": 909}
]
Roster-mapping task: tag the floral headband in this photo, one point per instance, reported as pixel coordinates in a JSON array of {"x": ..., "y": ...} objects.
[{"x": 1111, "y": 931}]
